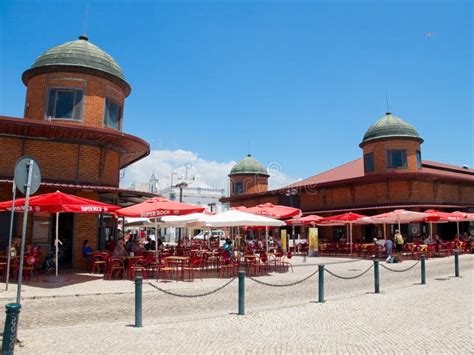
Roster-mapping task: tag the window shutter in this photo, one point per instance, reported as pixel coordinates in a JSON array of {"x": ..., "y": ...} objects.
[
  {"x": 77, "y": 113},
  {"x": 51, "y": 104}
]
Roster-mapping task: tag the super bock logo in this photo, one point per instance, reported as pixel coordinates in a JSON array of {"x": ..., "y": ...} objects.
[
  {"x": 155, "y": 213},
  {"x": 91, "y": 209}
]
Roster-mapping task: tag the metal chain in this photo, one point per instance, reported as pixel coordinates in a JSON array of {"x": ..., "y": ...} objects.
[
  {"x": 170, "y": 293},
  {"x": 349, "y": 277},
  {"x": 282, "y": 285},
  {"x": 411, "y": 267}
]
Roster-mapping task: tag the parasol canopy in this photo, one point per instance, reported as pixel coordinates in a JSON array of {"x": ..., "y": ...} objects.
[
  {"x": 274, "y": 211},
  {"x": 158, "y": 207},
  {"x": 235, "y": 218},
  {"x": 303, "y": 221},
  {"x": 59, "y": 202}
]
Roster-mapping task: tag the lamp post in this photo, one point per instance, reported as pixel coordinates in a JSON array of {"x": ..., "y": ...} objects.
[
  {"x": 181, "y": 186},
  {"x": 290, "y": 193}
]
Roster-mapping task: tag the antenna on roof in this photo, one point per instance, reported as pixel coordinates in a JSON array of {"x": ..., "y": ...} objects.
[
  {"x": 86, "y": 17},
  {"x": 386, "y": 101}
]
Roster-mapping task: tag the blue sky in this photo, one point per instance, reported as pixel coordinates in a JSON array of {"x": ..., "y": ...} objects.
[{"x": 302, "y": 80}]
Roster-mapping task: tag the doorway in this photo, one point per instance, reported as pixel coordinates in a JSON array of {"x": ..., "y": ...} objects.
[{"x": 66, "y": 236}]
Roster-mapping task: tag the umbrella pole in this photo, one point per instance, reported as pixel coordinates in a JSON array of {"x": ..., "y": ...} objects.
[
  {"x": 431, "y": 231},
  {"x": 156, "y": 240},
  {"x": 12, "y": 217},
  {"x": 266, "y": 237},
  {"x": 350, "y": 236},
  {"x": 457, "y": 225},
  {"x": 294, "y": 237},
  {"x": 384, "y": 232},
  {"x": 57, "y": 241}
]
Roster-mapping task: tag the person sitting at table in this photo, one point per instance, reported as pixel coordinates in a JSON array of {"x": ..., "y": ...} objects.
[
  {"x": 86, "y": 250},
  {"x": 228, "y": 247},
  {"x": 427, "y": 240},
  {"x": 16, "y": 245},
  {"x": 151, "y": 245},
  {"x": 110, "y": 245},
  {"x": 120, "y": 249}
]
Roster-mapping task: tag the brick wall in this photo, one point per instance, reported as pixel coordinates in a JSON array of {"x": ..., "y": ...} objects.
[
  {"x": 85, "y": 227},
  {"x": 251, "y": 183},
  {"x": 62, "y": 161},
  {"x": 397, "y": 191},
  {"x": 95, "y": 89},
  {"x": 380, "y": 148}
]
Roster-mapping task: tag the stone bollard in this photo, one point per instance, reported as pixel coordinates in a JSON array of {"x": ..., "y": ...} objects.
[
  {"x": 138, "y": 301},
  {"x": 321, "y": 283},
  {"x": 456, "y": 263},
  {"x": 241, "y": 293},
  {"x": 376, "y": 276},
  {"x": 11, "y": 327},
  {"x": 423, "y": 270}
]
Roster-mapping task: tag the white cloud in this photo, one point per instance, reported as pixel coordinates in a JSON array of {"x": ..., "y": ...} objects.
[{"x": 212, "y": 173}]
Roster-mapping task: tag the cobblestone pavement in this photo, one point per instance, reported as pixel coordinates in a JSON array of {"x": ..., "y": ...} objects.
[{"x": 406, "y": 317}]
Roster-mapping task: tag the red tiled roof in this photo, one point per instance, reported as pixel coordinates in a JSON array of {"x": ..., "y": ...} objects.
[{"x": 355, "y": 169}]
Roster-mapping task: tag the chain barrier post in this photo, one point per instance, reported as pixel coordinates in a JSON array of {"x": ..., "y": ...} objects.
[
  {"x": 241, "y": 293},
  {"x": 456, "y": 263},
  {"x": 423, "y": 270},
  {"x": 321, "y": 284},
  {"x": 376, "y": 276},
  {"x": 10, "y": 330},
  {"x": 138, "y": 301}
]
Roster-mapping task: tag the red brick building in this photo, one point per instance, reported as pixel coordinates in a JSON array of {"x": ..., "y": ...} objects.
[
  {"x": 389, "y": 175},
  {"x": 72, "y": 126}
]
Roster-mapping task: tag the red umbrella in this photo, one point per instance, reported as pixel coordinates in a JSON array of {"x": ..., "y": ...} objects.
[
  {"x": 157, "y": 207},
  {"x": 459, "y": 216},
  {"x": 306, "y": 220},
  {"x": 345, "y": 218},
  {"x": 437, "y": 216},
  {"x": 57, "y": 202},
  {"x": 275, "y": 211}
]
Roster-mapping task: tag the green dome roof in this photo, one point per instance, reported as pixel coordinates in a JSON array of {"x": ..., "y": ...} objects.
[
  {"x": 248, "y": 165},
  {"x": 390, "y": 126},
  {"x": 79, "y": 53}
]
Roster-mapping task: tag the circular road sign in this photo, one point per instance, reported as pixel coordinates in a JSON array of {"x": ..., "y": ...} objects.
[{"x": 21, "y": 174}]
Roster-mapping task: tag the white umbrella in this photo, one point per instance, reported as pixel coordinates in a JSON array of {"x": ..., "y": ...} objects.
[
  {"x": 235, "y": 218},
  {"x": 399, "y": 216},
  {"x": 185, "y": 220}
]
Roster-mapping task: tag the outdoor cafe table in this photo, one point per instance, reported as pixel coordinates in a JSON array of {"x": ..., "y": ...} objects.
[
  {"x": 130, "y": 261},
  {"x": 178, "y": 261}
]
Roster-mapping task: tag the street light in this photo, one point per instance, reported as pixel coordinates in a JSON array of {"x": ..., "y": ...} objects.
[
  {"x": 181, "y": 186},
  {"x": 290, "y": 193}
]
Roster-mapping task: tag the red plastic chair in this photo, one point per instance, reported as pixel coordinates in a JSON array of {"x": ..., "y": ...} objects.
[{"x": 115, "y": 266}]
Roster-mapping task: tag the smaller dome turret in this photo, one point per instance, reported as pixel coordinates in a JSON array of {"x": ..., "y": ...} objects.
[
  {"x": 390, "y": 126},
  {"x": 248, "y": 165}
]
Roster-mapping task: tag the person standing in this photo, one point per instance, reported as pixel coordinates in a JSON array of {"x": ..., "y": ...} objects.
[
  {"x": 389, "y": 250},
  {"x": 399, "y": 242}
]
